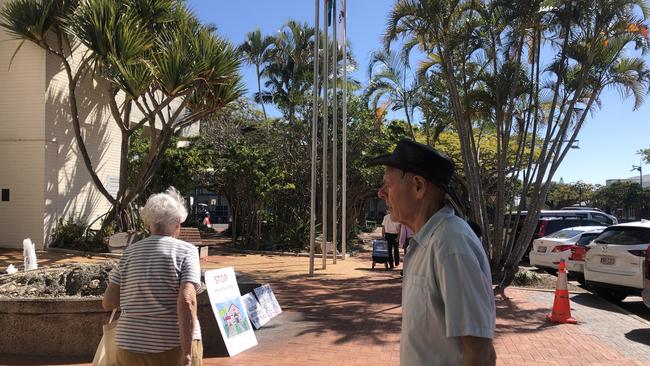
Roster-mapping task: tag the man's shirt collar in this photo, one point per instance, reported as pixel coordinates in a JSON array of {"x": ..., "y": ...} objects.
[{"x": 427, "y": 230}]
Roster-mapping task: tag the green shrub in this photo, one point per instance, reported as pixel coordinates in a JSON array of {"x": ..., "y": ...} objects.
[
  {"x": 75, "y": 234},
  {"x": 526, "y": 278}
]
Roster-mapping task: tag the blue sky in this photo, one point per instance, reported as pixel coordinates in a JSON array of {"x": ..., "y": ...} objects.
[{"x": 608, "y": 141}]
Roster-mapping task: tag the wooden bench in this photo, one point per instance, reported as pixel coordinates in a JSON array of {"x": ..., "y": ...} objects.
[{"x": 192, "y": 235}]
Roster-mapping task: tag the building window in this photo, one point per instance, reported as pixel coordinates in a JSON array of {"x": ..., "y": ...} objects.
[{"x": 5, "y": 194}]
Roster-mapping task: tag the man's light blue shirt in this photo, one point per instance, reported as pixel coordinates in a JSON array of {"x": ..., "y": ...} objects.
[{"x": 446, "y": 292}]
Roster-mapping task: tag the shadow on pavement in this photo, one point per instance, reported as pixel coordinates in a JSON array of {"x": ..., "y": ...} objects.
[
  {"x": 41, "y": 360},
  {"x": 516, "y": 319},
  {"x": 595, "y": 302},
  {"x": 639, "y": 335},
  {"x": 359, "y": 308}
]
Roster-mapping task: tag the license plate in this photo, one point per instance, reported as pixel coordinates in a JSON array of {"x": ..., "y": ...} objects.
[
  {"x": 541, "y": 249},
  {"x": 607, "y": 260}
]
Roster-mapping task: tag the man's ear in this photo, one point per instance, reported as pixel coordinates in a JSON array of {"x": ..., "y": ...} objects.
[{"x": 420, "y": 185}]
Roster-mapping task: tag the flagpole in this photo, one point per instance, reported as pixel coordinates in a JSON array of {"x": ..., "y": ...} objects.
[
  {"x": 325, "y": 135},
  {"x": 314, "y": 139},
  {"x": 344, "y": 165},
  {"x": 335, "y": 122}
]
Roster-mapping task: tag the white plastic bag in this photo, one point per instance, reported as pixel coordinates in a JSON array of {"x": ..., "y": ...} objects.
[
  {"x": 107, "y": 348},
  {"x": 11, "y": 269},
  {"x": 29, "y": 253}
]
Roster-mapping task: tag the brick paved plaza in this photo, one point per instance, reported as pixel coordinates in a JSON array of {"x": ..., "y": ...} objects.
[{"x": 350, "y": 315}]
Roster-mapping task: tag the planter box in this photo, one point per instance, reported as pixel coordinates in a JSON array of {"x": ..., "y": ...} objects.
[{"x": 73, "y": 327}]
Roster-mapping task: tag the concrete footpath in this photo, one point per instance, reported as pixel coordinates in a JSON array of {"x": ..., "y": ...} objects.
[{"x": 349, "y": 314}]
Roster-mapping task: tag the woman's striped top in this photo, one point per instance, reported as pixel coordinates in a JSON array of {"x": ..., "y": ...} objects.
[{"x": 149, "y": 275}]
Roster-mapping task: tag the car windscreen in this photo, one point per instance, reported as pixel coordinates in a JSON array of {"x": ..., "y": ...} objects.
[
  {"x": 564, "y": 234},
  {"x": 558, "y": 224},
  {"x": 624, "y": 235},
  {"x": 586, "y": 238}
]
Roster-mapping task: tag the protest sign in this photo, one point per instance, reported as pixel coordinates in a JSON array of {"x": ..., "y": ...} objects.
[
  {"x": 268, "y": 301},
  {"x": 226, "y": 303},
  {"x": 256, "y": 312}
]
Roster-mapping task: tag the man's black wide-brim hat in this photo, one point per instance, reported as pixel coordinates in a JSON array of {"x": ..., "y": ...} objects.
[{"x": 422, "y": 160}]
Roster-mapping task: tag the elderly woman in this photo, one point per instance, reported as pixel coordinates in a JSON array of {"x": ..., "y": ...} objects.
[{"x": 155, "y": 287}]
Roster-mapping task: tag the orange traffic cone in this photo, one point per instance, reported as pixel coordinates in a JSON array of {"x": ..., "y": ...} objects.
[{"x": 561, "y": 308}]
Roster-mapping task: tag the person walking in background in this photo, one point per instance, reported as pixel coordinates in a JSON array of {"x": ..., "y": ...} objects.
[
  {"x": 155, "y": 286},
  {"x": 390, "y": 231},
  {"x": 448, "y": 310},
  {"x": 404, "y": 235}
]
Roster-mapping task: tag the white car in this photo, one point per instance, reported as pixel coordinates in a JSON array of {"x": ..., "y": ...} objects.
[
  {"x": 549, "y": 250},
  {"x": 618, "y": 261},
  {"x": 576, "y": 263}
]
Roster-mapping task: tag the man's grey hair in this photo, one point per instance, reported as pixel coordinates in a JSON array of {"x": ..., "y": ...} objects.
[{"x": 164, "y": 210}]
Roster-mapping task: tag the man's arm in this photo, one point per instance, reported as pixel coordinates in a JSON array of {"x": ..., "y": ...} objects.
[
  {"x": 186, "y": 304},
  {"x": 478, "y": 351},
  {"x": 111, "y": 299}
]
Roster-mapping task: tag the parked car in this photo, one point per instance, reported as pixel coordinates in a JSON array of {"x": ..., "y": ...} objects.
[
  {"x": 576, "y": 263},
  {"x": 549, "y": 225},
  {"x": 585, "y": 213},
  {"x": 618, "y": 262},
  {"x": 571, "y": 208},
  {"x": 549, "y": 250}
]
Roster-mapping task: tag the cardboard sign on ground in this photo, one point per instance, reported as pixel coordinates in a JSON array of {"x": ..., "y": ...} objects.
[
  {"x": 268, "y": 301},
  {"x": 256, "y": 312},
  {"x": 228, "y": 308}
]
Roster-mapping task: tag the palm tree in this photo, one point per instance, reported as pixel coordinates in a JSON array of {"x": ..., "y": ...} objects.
[
  {"x": 388, "y": 87},
  {"x": 153, "y": 57},
  {"x": 433, "y": 100},
  {"x": 489, "y": 55},
  {"x": 288, "y": 71},
  {"x": 256, "y": 51}
]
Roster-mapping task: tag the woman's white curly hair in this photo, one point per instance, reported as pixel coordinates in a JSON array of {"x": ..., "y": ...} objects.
[{"x": 163, "y": 211}]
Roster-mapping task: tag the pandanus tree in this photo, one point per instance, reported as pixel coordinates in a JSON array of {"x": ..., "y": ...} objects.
[
  {"x": 533, "y": 71},
  {"x": 162, "y": 70}
]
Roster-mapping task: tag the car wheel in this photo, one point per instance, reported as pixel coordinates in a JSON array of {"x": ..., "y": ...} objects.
[{"x": 611, "y": 295}]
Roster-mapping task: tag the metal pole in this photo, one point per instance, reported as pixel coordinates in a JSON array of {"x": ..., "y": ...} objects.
[
  {"x": 314, "y": 140},
  {"x": 335, "y": 121},
  {"x": 344, "y": 165},
  {"x": 325, "y": 135}
]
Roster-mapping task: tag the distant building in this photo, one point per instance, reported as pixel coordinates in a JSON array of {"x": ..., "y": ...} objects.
[{"x": 635, "y": 179}]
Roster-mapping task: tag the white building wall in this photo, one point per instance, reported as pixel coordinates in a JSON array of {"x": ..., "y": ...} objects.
[
  {"x": 39, "y": 158},
  {"x": 69, "y": 189},
  {"x": 22, "y": 141},
  {"x": 636, "y": 179}
]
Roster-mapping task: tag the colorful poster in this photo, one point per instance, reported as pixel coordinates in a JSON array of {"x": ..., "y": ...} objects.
[
  {"x": 268, "y": 301},
  {"x": 227, "y": 305},
  {"x": 256, "y": 312}
]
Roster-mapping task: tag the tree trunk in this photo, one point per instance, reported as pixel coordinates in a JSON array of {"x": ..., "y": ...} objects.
[{"x": 259, "y": 89}]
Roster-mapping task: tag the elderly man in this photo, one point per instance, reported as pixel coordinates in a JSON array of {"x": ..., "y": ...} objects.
[
  {"x": 155, "y": 286},
  {"x": 448, "y": 311}
]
